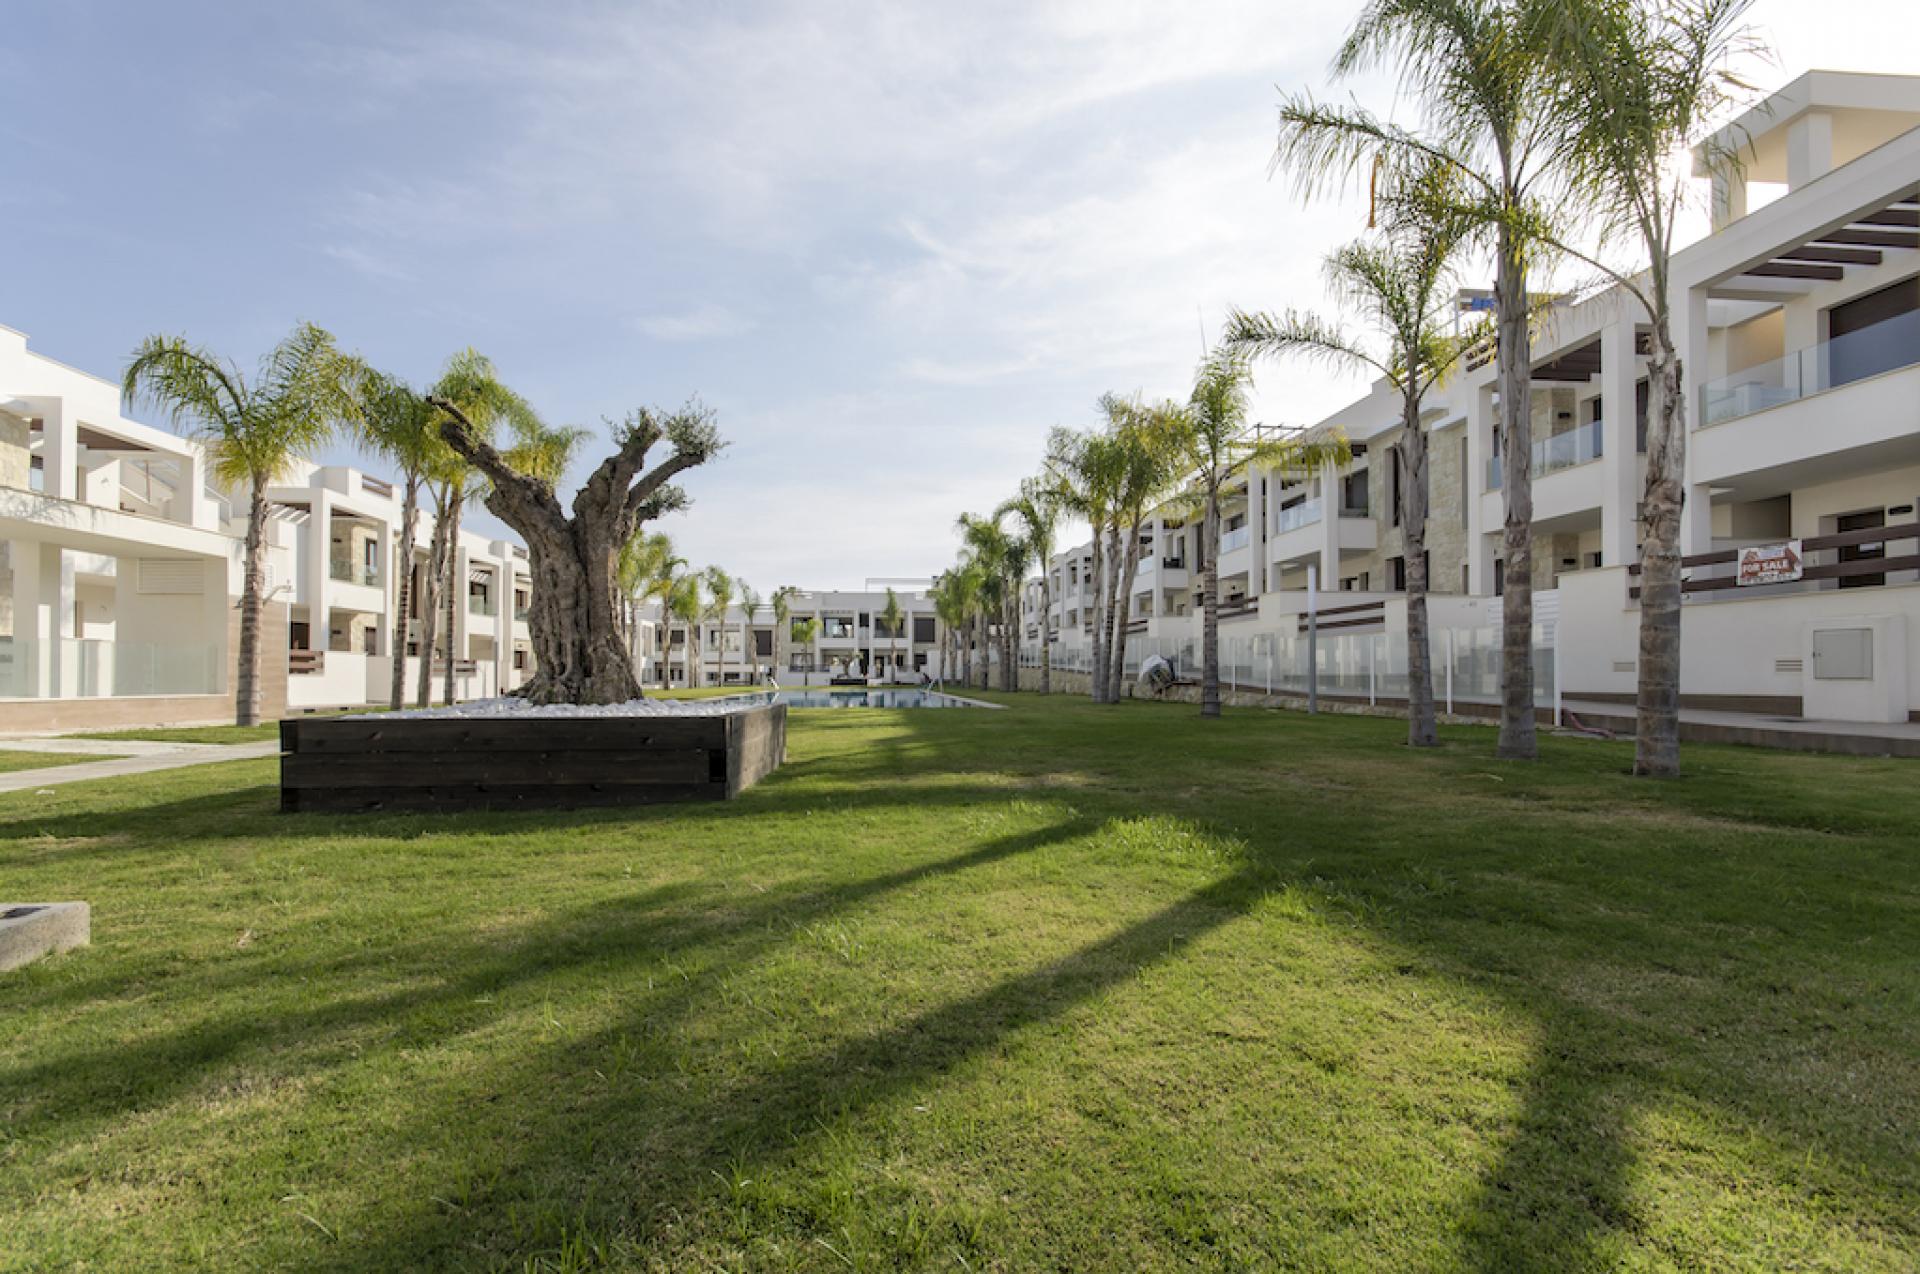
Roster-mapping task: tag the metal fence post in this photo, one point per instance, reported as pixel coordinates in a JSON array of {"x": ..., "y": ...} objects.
[
  {"x": 1373, "y": 659},
  {"x": 1450, "y": 633}
]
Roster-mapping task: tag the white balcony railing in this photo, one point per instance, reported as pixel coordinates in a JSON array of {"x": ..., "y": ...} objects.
[
  {"x": 1885, "y": 346},
  {"x": 1306, "y": 513},
  {"x": 1554, "y": 453},
  {"x": 1236, "y": 539},
  {"x": 84, "y": 668}
]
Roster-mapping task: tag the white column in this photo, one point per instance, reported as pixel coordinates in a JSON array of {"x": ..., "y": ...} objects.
[
  {"x": 36, "y": 601},
  {"x": 1696, "y": 369},
  {"x": 1256, "y": 533},
  {"x": 1330, "y": 523},
  {"x": 319, "y": 591},
  {"x": 60, "y": 450},
  {"x": 1479, "y": 451},
  {"x": 1809, "y": 148},
  {"x": 1619, "y": 463}
]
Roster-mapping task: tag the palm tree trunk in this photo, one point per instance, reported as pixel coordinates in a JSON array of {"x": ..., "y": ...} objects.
[
  {"x": 1210, "y": 609},
  {"x": 454, "y": 585},
  {"x": 1046, "y": 618},
  {"x": 1656, "y": 737},
  {"x": 1010, "y": 639},
  {"x": 246, "y": 696},
  {"x": 1118, "y": 657},
  {"x": 1109, "y": 614},
  {"x": 1517, "y": 739},
  {"x": 403, "y": 590},
  {"x": 430, "y": 603},
  {"x": 985, "y": 644},
  {"x": 1095, "y": 684},
  {"x": 1422, "y": 729}
]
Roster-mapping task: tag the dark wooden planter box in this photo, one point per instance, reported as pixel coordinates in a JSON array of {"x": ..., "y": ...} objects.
[{"x": 359, "y": 763}]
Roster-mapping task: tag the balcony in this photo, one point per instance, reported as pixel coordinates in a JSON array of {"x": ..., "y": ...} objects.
[
  {"x": 348, "y": 572},
  {"x": 484, "y": 606},
  {"x": 1883, "y": 347},
  {"x": 1235, "y": 540},
  {"x": 1292, "y": 518},
  {"x": 1556, "y": 452}
]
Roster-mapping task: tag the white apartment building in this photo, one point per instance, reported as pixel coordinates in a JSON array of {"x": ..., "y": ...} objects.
[
  {"x": 1798, "y": 325},
  {"x": 828, "y": 637},
  {"x": 121, "y": 570}
]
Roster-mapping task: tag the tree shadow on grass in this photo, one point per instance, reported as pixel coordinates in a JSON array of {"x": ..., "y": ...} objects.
[
  {"x": 1560, "y": 1194},
  {"x": 92, "y": 1087}
]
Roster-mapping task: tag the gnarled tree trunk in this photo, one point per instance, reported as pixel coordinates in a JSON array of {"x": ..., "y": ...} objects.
[
  {"x": 1096, "y": 684},
  {"x": 1129, "y": 566},
  {"x": 574, "y": 620},
  {"x": 430, "y": 601}
]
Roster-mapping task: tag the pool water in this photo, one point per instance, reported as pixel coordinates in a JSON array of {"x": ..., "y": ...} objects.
[{"x": 859, "y": 697}]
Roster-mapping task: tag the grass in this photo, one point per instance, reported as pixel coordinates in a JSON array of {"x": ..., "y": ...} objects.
[
  {"x": 195, "y": 733},
  {"x": 10, "y": 760},
  {"x": 1066, "y": 987}
]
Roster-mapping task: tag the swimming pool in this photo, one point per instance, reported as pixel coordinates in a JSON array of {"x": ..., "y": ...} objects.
[{"x": 864, "y": 697}]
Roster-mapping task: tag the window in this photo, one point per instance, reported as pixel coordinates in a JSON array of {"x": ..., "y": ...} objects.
[
  {"x": 1393, "y": 478},
  {"x": 1353, "y": 495},
  {"x": 1872, "y": 334},
  {"x": 1398, "y": 566},
  {"x": 923, "y": 628}
]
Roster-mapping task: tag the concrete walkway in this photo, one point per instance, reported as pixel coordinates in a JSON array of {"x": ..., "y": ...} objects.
[{"x": 121, "y": 757}]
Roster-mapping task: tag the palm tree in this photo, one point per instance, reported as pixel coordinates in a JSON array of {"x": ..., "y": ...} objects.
[
  {"x": 1146, "y": 442},
  {"x": 1396, "y": 284},
  {"x": 1643, "y": 80},
  {"x": 253, "y": 430},
  {"x": 782, "y": 604},
  {"x": 1037, "y": 510},
  {"x": 891, "y": 616},
  {"x": 749, "y": 604},
  {"x": 802, "y": 632},
  {"x": 1087, "y": 468},
  {"x": 645, "y": 571},
  {"x": 471, "y": 386},
  {"x": 397, "y": 424},
  {"x": 684, "y": 603},
  {"x": 991, "y": 551},
  {"x": 720, "y": 590},
  {"x": 1213, "y": 442},
  {"x": 1477, "y": 72}
]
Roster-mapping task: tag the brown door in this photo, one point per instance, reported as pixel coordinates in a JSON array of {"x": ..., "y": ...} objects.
[{"x": 1871, "y": 519}]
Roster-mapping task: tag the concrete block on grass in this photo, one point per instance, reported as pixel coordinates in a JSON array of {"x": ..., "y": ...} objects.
[{"x": 29, "y": 930}]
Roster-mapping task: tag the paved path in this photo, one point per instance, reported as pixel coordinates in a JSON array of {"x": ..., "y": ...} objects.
[{"x": 121, "y": 757}]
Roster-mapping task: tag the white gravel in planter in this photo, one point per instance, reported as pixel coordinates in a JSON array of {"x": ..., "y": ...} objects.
[{"x": 507, "y": 707}]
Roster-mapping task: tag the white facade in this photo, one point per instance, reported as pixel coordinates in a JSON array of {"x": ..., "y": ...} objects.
[
  {"x": 1798, "y": 327},
  {"x": 341, "y": 528},
  {"x": 121, "y": 568},
  {"x": 828, "y": 636}
]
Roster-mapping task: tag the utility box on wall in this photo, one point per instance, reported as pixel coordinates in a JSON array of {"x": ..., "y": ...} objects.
[{"x": 1855, "y": 668}]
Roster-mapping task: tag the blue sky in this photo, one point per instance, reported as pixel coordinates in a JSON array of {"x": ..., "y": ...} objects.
[{"x": 892, "y": 244}]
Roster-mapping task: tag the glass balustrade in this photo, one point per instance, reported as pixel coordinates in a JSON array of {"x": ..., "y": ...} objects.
[
  {"x": 1883, "y": 347},
  {"x": 1556, "y": 452},
  {"x": 1306, "y": 513},
  {"x": 88, "y": 668},
  {"x": 348, "y": 572},
  {"x": 1235, "y": 539}
]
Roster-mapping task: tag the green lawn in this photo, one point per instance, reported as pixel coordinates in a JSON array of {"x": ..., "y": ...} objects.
[
  {"x": 196, "y": 733},
  {"x": 1062, "y": 987},
  {"x": 41, "y": 760}
]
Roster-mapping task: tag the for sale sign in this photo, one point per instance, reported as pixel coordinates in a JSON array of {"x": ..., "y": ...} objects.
[{"x": 1769, "y": 564}]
